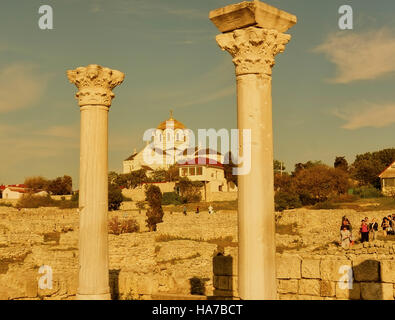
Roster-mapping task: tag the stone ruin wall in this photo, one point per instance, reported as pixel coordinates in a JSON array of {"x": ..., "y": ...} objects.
[{"x": 179, "y": 259}]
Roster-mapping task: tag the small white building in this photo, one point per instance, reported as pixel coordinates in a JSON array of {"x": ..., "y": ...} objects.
[
  {"x": 212, "y": 174},
  {"x": 15, "y": 193},
  {"x": 387, "y": 178}
]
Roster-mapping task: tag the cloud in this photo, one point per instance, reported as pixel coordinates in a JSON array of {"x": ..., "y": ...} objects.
[
  {"x": 363, "y": 56},
  {"x": 60, "y": 132},
  {"x": 213, "y": 96},
  {"x": 144, "y": 8},
  {"x": 21, "y": 86},
  {"x": 372, "y": 115}
]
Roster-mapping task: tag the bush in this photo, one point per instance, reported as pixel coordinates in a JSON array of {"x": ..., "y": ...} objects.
[
  {"x": 32, "y": 201},
  {"x": 68, "y": 204},
  {"x": 285, "y": 200},
  {"x": 343, "y": 198},
  {"x": 115, "y": 197},
  {"x": 171, "y": 198},
  {"x": 75, "y": 196},
  {"x": 125, "y": 226},
  {"x": 367, "y": 192},
  {"x": 5, "y": 204},
  {"x": 190, "y": 190}
]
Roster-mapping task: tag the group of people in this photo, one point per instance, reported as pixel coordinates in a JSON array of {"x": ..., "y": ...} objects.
[
  {"x": 210, "y": 210},
  {"x": 366, "y": 228}
]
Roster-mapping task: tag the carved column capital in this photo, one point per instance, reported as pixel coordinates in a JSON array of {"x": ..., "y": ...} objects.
[
  {"x": 95, "y": 84},
  {"x": 253, "y": 49}
]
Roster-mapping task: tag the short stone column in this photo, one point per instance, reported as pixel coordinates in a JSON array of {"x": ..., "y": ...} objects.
[
  {"x": 95, "y": 85},
  {"x": 252, "y": 34}
]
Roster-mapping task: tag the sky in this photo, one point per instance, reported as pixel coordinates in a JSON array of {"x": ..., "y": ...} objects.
[{"x": 333, "y": 90}]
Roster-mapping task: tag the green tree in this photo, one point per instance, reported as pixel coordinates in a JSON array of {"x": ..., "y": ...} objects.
[
  {"x": 155, "y": 212},
  {"x": 131, "y": 180},
  {"x": 228, "y": 169},
  {"x": 60, "y": 185},
  {"x": 278, "y": 166},
  {"x": 190, "y": 190},
  {"x": 319, "y": 182},
  {"x": 369, "y": 165},
  {"x": 115, "y": 197},
  {"x": 306, "y": 165},
  {"x": 36, "y": 183},
  {"x": 341, "y": 163}
]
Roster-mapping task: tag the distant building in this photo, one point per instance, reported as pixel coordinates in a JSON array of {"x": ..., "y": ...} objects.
[
  {"x": 170, "y": 143},
  {"x": 15, "y": 192},
  {"x": 387, "y": 178}
]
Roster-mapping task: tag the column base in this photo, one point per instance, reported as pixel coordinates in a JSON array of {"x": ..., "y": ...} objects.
[{"x": 103, "y": 296}]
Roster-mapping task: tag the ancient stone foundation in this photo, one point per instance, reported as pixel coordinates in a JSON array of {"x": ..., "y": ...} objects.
[{"x": 188, "y": 257}]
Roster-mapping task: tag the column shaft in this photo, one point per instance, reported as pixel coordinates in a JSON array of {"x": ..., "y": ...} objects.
[
  {"x": 93, "y": 274},
  {"x": 257, "y": 272}
]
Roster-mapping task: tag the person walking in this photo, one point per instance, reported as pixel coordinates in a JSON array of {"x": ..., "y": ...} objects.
[
  {"x": 185, "y": 210},
  {"x": 210, "y": 209},
  {"x": 197, "y": 210}
]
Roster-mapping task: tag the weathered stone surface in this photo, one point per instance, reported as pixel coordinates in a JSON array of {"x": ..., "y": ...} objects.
[
  {"x": 288, "y": 267},
  {"x": 387, "y": 271},
  {"x": 244, "y": 14},
  {"x": 311, "y": 269},
  {"x": 350, "y": 294},
  {"x": 287, "y": 286},
  {"x": 366, "y": 270},
  {"x": 309, "y": 287},
  {"x": 376, "y": 291},
  {"x": 308, "y": 297},
  {"x": 328, "y": 288},
  {"x": 330, "y": 269},
  {"x": 288, "y": 297}
]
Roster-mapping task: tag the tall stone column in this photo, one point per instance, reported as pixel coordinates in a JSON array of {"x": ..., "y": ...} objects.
[
  {"x": 252, "y": 34},
  {"x": 95, "y": 85}
]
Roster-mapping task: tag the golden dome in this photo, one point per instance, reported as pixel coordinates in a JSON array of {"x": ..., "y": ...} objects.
[{"x": 177, "y": 124}]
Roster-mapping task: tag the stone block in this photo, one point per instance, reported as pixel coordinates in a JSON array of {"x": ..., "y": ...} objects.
[
  {"x": 311, "y": 269},
  {"x": 223, "y": 266},
  {"x": 309, "y": 287},
  {"x": 377, "y": 291},
  {"x": 366, "y": 269},
  {"x": 328, "y": 288},
  {"x": 330, "y": 269},
  {"x": 256, "y": 13},
  {"x": 223, "y": 282},
  {"x": 308, "y": 297},
  {"x": 288, "y": 267},
  {"x": 288, "y": 297},
  {"x": 353, "y": 293},
  {"x": 387, "y": 271},
  {"x": 287, "y": 286}
]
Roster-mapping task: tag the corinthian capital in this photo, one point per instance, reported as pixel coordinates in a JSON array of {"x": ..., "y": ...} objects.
[
  {"x": 253, "y": 49},
  {"x": 95, "y": 84}
]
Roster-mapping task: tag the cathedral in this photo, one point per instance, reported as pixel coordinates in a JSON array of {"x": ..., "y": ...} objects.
[{"x": 172, "y": 143}]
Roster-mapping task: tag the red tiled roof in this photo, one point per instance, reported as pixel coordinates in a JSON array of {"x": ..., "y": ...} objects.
[{"x": 203, "y": 161}]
